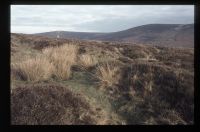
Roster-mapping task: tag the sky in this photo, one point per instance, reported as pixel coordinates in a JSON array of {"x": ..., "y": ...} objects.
[{"x": 95, "y": 18}]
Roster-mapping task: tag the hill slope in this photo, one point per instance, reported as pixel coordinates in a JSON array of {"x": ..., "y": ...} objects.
[
  {"x": 107, "y": 83},
  {"x": 173, "y": 35}
]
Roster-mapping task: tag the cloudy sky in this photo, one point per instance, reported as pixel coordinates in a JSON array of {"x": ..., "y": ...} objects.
[{"x": 95, "y": 18}]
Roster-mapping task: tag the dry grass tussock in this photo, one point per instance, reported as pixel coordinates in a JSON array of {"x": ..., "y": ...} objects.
[
  {"x": 54, "y": 61},
  {"x": 86, "y": 60},
  {"x": 107, "y": 74},
  {"x": 33, "y": 69},
  {"x": 62, "y": 57}
]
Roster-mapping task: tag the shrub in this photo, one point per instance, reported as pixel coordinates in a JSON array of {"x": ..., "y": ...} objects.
[{"x": 42, "y": 104}]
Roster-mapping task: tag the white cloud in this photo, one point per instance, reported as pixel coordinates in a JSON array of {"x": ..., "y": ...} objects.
[{"x": 99, "y": 18}]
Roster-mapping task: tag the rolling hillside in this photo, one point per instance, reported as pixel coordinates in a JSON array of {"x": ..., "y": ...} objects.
[
  {"x": 173, "y": 35},
  {"x": 76, "y": 82}
]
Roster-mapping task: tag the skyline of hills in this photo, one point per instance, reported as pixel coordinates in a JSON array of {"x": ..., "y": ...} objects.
[{"x": 173, "y": 35}]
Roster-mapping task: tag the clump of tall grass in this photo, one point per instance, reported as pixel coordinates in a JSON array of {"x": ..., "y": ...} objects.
[
  {"x": 33, "y": 69},
  {"x": 62, "y": 57},
  {"x": 86, "y": 61},
  {"x": 55, "y": 61},
  {"x": 107, "y": 74}
]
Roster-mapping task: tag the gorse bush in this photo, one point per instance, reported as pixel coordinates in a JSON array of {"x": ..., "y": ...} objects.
[
  {"x": 33, "y": 69},
  {"x": 62, "y": 57}
]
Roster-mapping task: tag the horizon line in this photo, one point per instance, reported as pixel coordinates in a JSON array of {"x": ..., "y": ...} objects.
[{"x": 101, "y": 32}]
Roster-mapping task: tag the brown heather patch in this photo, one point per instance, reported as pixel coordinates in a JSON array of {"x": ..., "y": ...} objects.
[{"x": 51, "y": 105}]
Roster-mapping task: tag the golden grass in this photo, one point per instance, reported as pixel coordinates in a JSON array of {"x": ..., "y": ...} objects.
[
  {"x": 107, "y": 74},
  {"x": 86, "y": 60},
  {"x": 55, "y": 61},
  {"x": 33, "y": 69},
  {"x": 62, "y": 57}
]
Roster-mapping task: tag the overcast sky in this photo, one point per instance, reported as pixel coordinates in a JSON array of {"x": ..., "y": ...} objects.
[{"x": 95, "y": 18}]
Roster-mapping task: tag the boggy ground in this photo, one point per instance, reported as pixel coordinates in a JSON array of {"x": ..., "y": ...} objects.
[{"x": 99, "y": 83}]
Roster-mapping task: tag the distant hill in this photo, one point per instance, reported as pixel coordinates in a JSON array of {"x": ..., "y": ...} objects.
[
  {"x": 73, "y": 35},
  {"x": 173, "y": 35}
]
